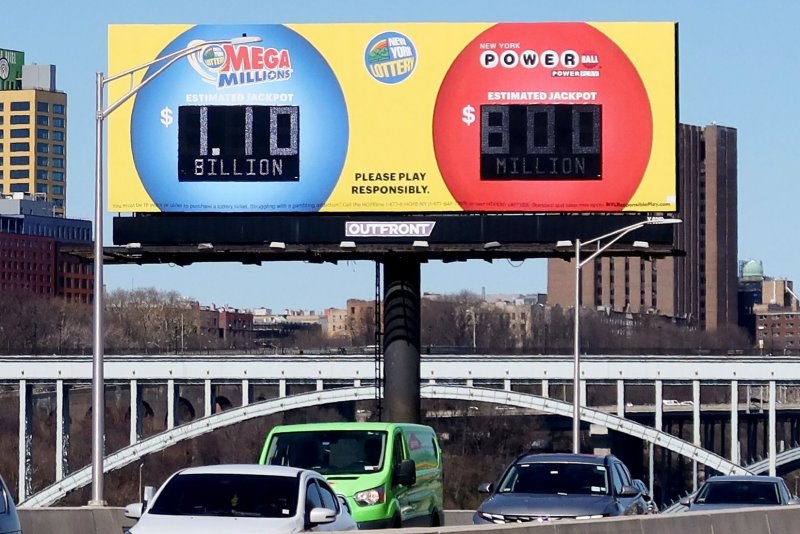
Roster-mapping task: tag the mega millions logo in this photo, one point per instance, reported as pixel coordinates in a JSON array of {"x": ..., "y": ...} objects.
[
  {"x": 390, "y": 57},
  {"x": 236, "y": 65}
]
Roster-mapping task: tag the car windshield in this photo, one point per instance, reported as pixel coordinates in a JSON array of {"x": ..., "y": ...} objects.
[
  {"x": 738, "y": 492},
  {"x": 229, "y": 495},
  {"x": 330, "y": 452},
  {"x": 556, "y": 478}
]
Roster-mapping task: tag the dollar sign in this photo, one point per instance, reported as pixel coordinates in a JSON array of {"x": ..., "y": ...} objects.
[
  {"x": 468, "y": 115},
  {"x": 166, "y": 117}
]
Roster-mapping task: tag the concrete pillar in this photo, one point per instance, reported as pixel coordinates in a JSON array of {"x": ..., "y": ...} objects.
[
  {"x": 208, "y": 398},
  {"x": 772, "y": 430},
  {"x": 25, "y": 439},
  {"x": 695, "y": 427},
  {"x": 545, "y": 388},
  {"x": 401, "y": 340},
  {"x": 621, "y": 398},
  {"x": 245, "y": 392},
  {"x": 659, "y": 400},
  {"x": 282, "y": 388},
  {"x": 137, "y": 415},
  {"x": 171, "y": 397},
  {"x": 583, "y": 392},
  {"x": 734, "y": 450},
  {"x": 62, "y": 432},
  {"x": 320, "y": 385}
]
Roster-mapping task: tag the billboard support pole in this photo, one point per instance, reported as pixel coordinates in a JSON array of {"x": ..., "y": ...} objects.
[
  {"x": 98, "y": 385},
  {"x": 401, "y": 319}
]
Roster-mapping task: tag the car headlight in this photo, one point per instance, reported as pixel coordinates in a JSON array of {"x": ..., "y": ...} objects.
[
  {"x": 498, "y": 519},
  {"x": 370, "y": 496}
]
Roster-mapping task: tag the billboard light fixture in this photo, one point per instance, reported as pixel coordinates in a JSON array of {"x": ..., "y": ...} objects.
[
  {"x": 348, "y": 245},
  {"x": 277, "y": 245},
  {"x": 205, "y": 246},
  {"x": 491, "y": 244},
  {"x": 133, "y": 245},
  {"x": 420, "y": 244},
  {"x": 641, "y": 244}
]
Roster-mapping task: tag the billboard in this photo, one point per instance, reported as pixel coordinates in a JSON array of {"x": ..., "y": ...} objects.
[
  {"x": 11, "y": 62},
  {"x": 396, "y": 118}
]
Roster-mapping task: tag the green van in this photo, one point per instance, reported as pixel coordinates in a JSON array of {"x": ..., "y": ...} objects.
[{"x": 389, "y": 473}]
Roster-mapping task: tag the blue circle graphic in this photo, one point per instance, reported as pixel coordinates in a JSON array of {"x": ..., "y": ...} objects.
[
  {"x": 390, "y": 57},
  {"x": 302, "y": 78}
]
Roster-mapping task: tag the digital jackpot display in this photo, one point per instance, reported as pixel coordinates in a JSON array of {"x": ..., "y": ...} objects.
[
  {"x": 238, "y": 143},
  {"x": 541, "y": 142},
  {"x": 396, "y": 118}
]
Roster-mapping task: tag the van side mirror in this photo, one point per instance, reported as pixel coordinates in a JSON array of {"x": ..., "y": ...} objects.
[
  {"x": 149, "y": 493},
  {"x": 686, "y": 501},
  {"x": 406, "y": 473}
]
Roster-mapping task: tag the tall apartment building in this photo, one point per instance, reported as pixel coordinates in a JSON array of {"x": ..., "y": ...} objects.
[
  {"x": 699, "y": 288},
  {"x": 33, "y": 135}
]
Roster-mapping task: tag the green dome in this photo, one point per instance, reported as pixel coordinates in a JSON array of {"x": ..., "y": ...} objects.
[{"x": 753, "y": 268}]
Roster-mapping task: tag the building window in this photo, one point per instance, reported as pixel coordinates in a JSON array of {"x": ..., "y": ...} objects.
[
  {"x": 58, "y": 202},
  {"x": 20, "y": 106},
  {"x": 58, "y": 122},
  {"x": 58, "y": 149},
  {"x": 58, "y": 189},
  {"x": 42, "y": 120},
  {"x": 20, "y": 147},
  {"x": 19, "y": 174},
  {"x": 41, "y": 188},
  {"x": 44, "y": 148},
  {"x": 58, "y": 109},
  {"x": 41, "y": 174},
  {"x": 1, "y": 160},
  {"x": 19, "y": 133},
  {"x": 42, "y": 107},
  {"x": 20, "y": 160},
  {"x": 2, "y": 119},
  {"x": 41, "y": 133},
  {"x": 58, "y": 163},
  {"x": 43, "y": 161},
  {"x": 58, "y": 176},
  {"x": 58, "y": 136},
  {"x": 20, "y": 119},
  {"x": 19, "y": 188}
]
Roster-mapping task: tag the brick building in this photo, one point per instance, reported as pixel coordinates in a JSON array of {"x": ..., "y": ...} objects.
[{"x": 699, "y": 288}]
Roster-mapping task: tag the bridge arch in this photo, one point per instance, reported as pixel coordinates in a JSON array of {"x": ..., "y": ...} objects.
[{"x": 130, "y": 454}]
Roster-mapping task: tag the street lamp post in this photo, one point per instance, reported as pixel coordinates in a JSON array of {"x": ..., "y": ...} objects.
[
  {"x": 612, "y": 238},
  {"x": 98, "y": 386}
]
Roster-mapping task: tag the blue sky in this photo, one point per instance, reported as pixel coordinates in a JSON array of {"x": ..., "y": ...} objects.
[{"x": 737, "y": 67}]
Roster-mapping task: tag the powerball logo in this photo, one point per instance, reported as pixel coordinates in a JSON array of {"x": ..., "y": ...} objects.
[
  {"x": 236, "y": 65},
  {"x": 390, "y": 57}
]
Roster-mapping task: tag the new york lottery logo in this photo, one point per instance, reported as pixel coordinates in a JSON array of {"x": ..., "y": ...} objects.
[{"x": 390, "y": 57}]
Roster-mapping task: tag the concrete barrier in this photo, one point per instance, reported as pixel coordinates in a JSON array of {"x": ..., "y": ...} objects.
[
  {"x": 783, "y": 520},
  {"x": 78, "y": 520}
]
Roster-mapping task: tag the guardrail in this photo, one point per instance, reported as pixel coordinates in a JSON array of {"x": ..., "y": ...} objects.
[{"x": 769, "y": 520}]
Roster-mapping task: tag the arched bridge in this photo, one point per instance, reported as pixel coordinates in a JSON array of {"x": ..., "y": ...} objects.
[{"x": 207, "y": 424}]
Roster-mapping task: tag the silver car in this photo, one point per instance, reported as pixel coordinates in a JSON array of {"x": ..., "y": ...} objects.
[
  {"x": 9, "y": 522},
  {"x": 549, "y": 487},
  {"x": 732, "y": 491},
  {"x": 246, "y": 499}
]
